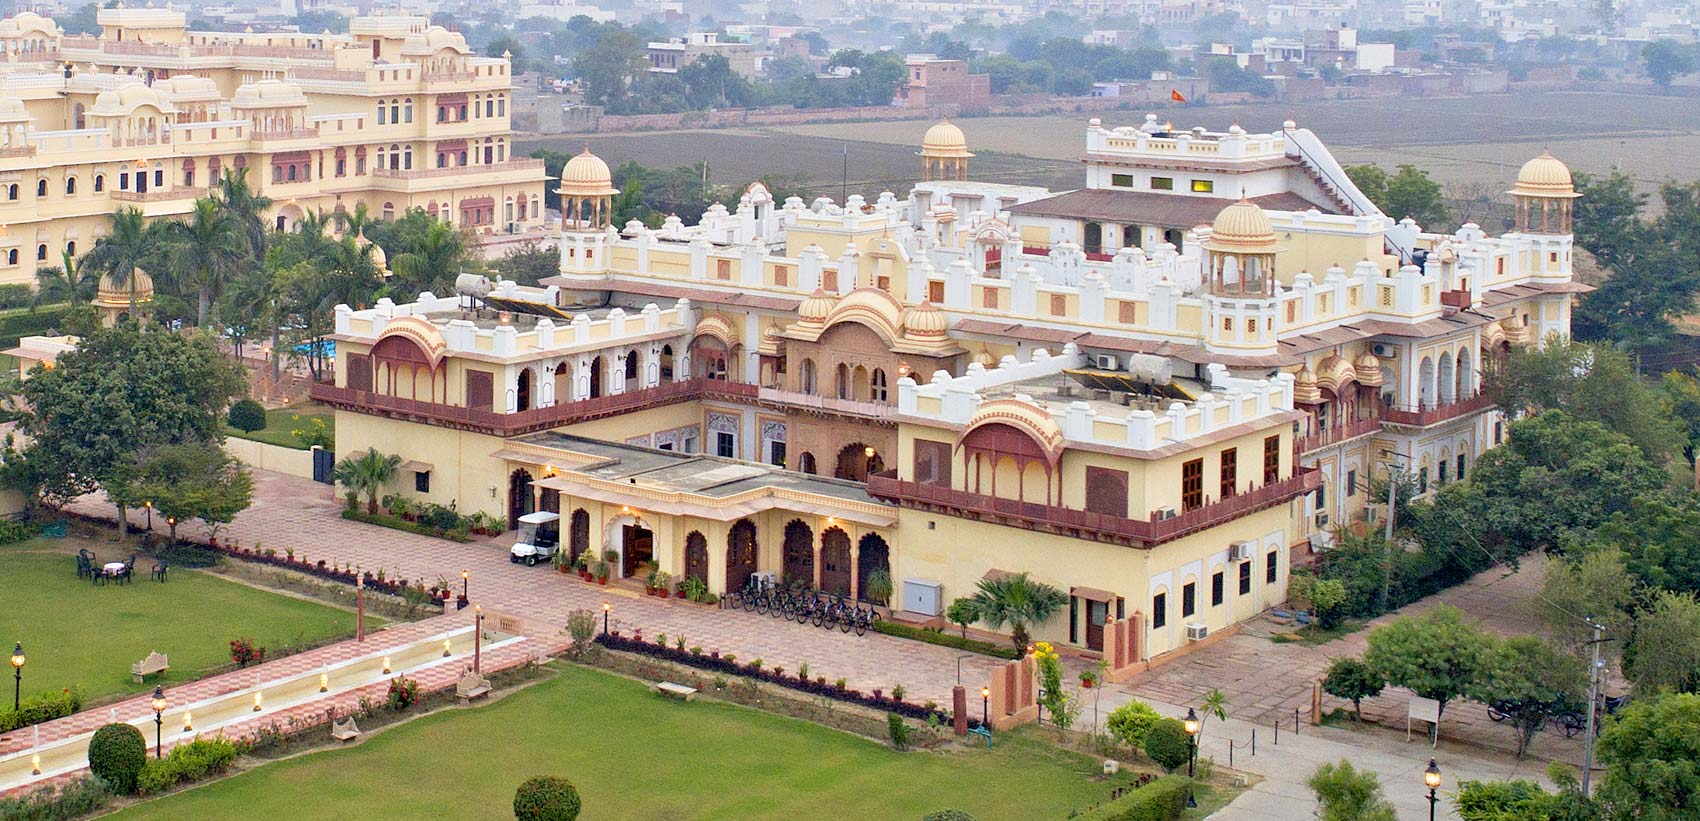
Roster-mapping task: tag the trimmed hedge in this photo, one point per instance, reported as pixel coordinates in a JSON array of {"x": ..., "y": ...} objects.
[
  {"x": 1161, "y": 800},
  {"x": 77, "y": 798},
  {"x": 817, "y": 687},
  {"x": 16, "y": 326},
  {"x": 44, "y": 706},
  {"x": 398, "y": 523},
  {"x": 546, "y": 798},
  {"x": 1167, "y": 743},
  {"x": 189, "y": 762},
  {"x": 246, "y": 415},
  {"x": 943, "y": 639},
  {"x": 13, "y": 531},
  {"x": 116, "y": 755}
]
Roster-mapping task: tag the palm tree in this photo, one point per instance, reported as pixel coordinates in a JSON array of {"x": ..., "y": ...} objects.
[
  {"x": 67, "y": 282},
  {"x": 366, "y": 472},
  {"x": 432, "y": 263},
  {"x": 247, "y": 305},
  {"x": 207, "y": 250},
  {"x": 358, "y": 222},
  {"x": 1019, "y": 601},
  {"x": 119, "y": 255},
  {"x": 246, "y": 207}
]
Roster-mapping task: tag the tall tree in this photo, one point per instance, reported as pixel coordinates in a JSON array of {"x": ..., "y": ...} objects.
[
  {"x": 1665, "y": 653},
  {"x": 1651, "y": 754},
  {"x": 1409, "y": 192},
  {"x": 1439, "y": 654},
  {"x": 66, "y": 282},
  {"x": 1528, "y": 679},
  {"x": 247, "y": 208},
  {"x": 1667, "y": 60},
  {"x": 207, "y": 249},
  {"x": 119, "y": 393},
  {"x": 129, "y": 244},
  {"x": 1590, "y": 383},
  {"x": 431, "y": 263},
  {"x": 193, "y": 481},
  {"x": 1607, "y": 215}
]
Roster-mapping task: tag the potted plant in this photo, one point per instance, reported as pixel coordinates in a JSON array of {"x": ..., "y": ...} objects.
[
  {"x": 879, "y": 588},
  {"x": 693, "y": 588},
  {"x": 584, "y": 565},
  {"x": 663, "y": 583},
  {"x": 1088, "y": 678},
  {"x": 602, "y": 571}
]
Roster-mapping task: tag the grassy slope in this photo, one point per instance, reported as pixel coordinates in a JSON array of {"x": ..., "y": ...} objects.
[
  {"x": 635, "y": 755},
  {"x": 281, "y": 422},
  {"x": 77, "y": 633}
]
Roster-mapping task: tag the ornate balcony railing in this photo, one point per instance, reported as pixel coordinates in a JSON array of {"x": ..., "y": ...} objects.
[
  {"x": 1424, "y": 417},
  {"x": 160, "y": 194},
  {"x": 1086, "y": 524},
  {"x": 827, "y": 404},
  {"x": 459, "y": 170},
  {"x": 1339, "y": 433},
  {"x": 534, "y": 419}
]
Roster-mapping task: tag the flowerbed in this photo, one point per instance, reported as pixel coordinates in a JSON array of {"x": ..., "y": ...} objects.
[
  {"x": 818, "y": 686},
  {"x": 397, "y": 523},
  {"x": 943, "y": 639},
  {"x": 44, "y": 706}
]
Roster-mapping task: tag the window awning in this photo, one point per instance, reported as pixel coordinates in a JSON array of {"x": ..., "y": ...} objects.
[
  {"x": 1092, "y": 594},
  {"x": 416, "y": 466}
]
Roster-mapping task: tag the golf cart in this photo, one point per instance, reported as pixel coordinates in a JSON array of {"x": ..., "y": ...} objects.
[{"x": 539, "y": 538}]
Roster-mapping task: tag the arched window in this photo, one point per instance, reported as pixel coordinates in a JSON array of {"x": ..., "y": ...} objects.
[
  {"x": 631, "y": 368},
  {"x": 666, "y": 363},
  {"x": 70, "y": 185},
  {"x": 71, "y": 248},
  {"x": 407, "y": 154},
  {"x": 877, "y": 386},
  {"x": 395, "y": 111},
  {"x": 99, "y": 183},
  {"x": 407, "y": 115},
  {"x": 41, "y": 252},
  {"x": 12, "y": 191},
  {"x": 381, "y": 120},
  {"x": 808, "y": 376},
  {"x": 12, "y": 257},
  {"x": 41, "y": 188}
]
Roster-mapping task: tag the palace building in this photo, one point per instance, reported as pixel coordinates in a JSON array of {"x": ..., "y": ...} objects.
[
  {"x": 395, "y": 115},
  {"x": 1155, "y": 393}
]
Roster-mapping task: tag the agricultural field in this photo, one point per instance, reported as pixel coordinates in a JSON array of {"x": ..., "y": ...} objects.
[{"x": 1458, "y": 140}]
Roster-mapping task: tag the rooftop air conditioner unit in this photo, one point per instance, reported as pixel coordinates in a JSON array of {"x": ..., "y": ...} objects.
[
  {"x": 1105, "y": 362},
  {"x": 1165, "y": 513},
  {"x": 1239, "y": 551},
  {"x": 1196, "y": 631}
]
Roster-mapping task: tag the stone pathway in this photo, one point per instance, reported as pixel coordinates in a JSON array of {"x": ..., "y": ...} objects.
[{"x": 1264, "y": 680}]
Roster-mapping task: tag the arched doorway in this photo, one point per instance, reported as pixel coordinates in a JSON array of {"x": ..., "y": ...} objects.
[
  {"x": 1094, "y": 238},
  {"x": 523, "y": 391},
  {"x": 740, "y": 554},
  {"x": 856, "y": 461},
  {"x": 519, "y": 495},
  {"x": 666, "y": 363},
  {"x": 873, "y": 555},
  {"x": 1425, "y": 383},
  {"x": 835, "y": 562},
  {"x": 595, "y": 377},
  {"x": 806, "y": 463},
  {"x": 799, "y": 554},
  {"x": 578, "y": 534},
  {"x": 696, "y": 556}
]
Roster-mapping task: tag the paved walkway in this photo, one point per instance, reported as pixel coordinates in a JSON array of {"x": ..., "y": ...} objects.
[{"x": 1263, "y": 680}]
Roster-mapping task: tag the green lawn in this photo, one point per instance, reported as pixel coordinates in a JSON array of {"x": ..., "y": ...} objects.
[
  {"x": 75, "y": 633},
  {"x": 633, "y": 754},
  {"x": 282, "y": 422}
]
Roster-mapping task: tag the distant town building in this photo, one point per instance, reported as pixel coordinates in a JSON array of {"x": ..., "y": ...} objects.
[{"x": 933, "y": 81}]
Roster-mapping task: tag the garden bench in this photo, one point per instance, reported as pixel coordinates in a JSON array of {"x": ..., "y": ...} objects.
[
  {"x": 472, "y": 686},
  {"x": 345, "y": 730},
  {"x": 156, "y": 662},
  {"x": 678, "y": 691}
]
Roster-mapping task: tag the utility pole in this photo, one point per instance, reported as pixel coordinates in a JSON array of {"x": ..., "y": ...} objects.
[
  {"x": 1593, "y": 708},
  {"x": 1387, "y": 548}
]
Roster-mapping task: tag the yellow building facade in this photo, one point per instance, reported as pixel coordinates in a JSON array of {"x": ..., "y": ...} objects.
[
  {"x": 395, "y": 115},
  {"x": 951, "y": 387}
]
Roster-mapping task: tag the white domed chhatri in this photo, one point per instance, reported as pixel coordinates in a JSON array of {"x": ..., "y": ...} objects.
[
  {"x": 925, "y": 320},
  {"x": 1241, "y": 227},
  {"x": 1242, "y": 251},
  {"x": 944, "y": 153},
  {"x": 1543, "y": 195},
  {"x": 587, "y": 190}
]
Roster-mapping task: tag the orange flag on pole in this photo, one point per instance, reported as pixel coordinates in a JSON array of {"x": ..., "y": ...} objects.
[{"x": 1175, "y": 94}]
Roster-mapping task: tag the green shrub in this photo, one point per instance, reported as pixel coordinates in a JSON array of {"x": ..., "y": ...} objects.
[
  {"x": 42, "y": 707},
  {"x": 947, "y": 815},
  {"x": 898, "y": 731},
  {"x": 15, "y": 295},
  {"x": 187, "y": 763},
  {"x": 75, "y": 799},
  {"x": 1160, "y": 800},
  {"x": 28, "y": 323},
  {"x": 116, "y": 754},
  {"x": 1167, "y": 744},
  {"x": 13, "y": 531},
  {"x": 1131, "y": 722},
  {"x": 904, "y": 631},
  {"x": 546, "y": 798},
  {"x": 247, "y": 416}
]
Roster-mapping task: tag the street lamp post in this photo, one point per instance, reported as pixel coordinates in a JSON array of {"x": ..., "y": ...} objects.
[
  {"x": 17, "y": 672},
  {"x": 986, "y": 707},
  {"x": 465, "y": 580},
  {"x": 605, "y": 608},
  {"x": 158, "y": 721},
  {"x": 172, "y": 521},
  {"x": 1192, "y": 727},
  {"x": 1431, "y": 777},
  {"x": 149, "y": 506}
]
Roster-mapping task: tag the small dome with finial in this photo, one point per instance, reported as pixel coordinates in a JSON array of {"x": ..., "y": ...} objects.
[
  {"x": 1241, "y": 227},
  {"x": 1544, "y": 176},
  {"x": 925, "y": 320},
  {"x": 586, "y": 175},
  {"x": 944, "y": 139},
  {"x": 816, "y": 308}
]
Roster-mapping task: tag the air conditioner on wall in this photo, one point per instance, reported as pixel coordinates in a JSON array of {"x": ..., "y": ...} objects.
[
  {"x": 1165, "y": 513},
  {"x": 1105, "y": 362},
  {"x": 1321, "y": 520},
  {"x": 1196, "y": 631},
  {"x": 1239, "y": 551}
]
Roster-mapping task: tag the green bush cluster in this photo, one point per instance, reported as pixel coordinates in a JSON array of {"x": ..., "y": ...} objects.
[
  {"x": 45, "y": 706},
  {"x": 13, "y": 531},
  {"x": 16, "y": 295},
  {"x": 78, "y": 798},
  {"x": 247, "y": 416},
  {"x": 941, "y": 638},
  {"x": 187, "y": 763},
  {"x": 1132, "y": 722},
  {"x": 1161, "y": 800},
  {"x": 1167, "y": 744},
  {"x": 546, "y": 798},
  {"x": 386, "y": 520},
  {"x": 116, "y": 755}
]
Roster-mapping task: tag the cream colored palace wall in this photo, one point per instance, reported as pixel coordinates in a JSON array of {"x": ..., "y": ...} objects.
[
  {"x": 263, "y": 456},
  {"x": 462, "y": 470},
  {"x": 957, "y": 553}
]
